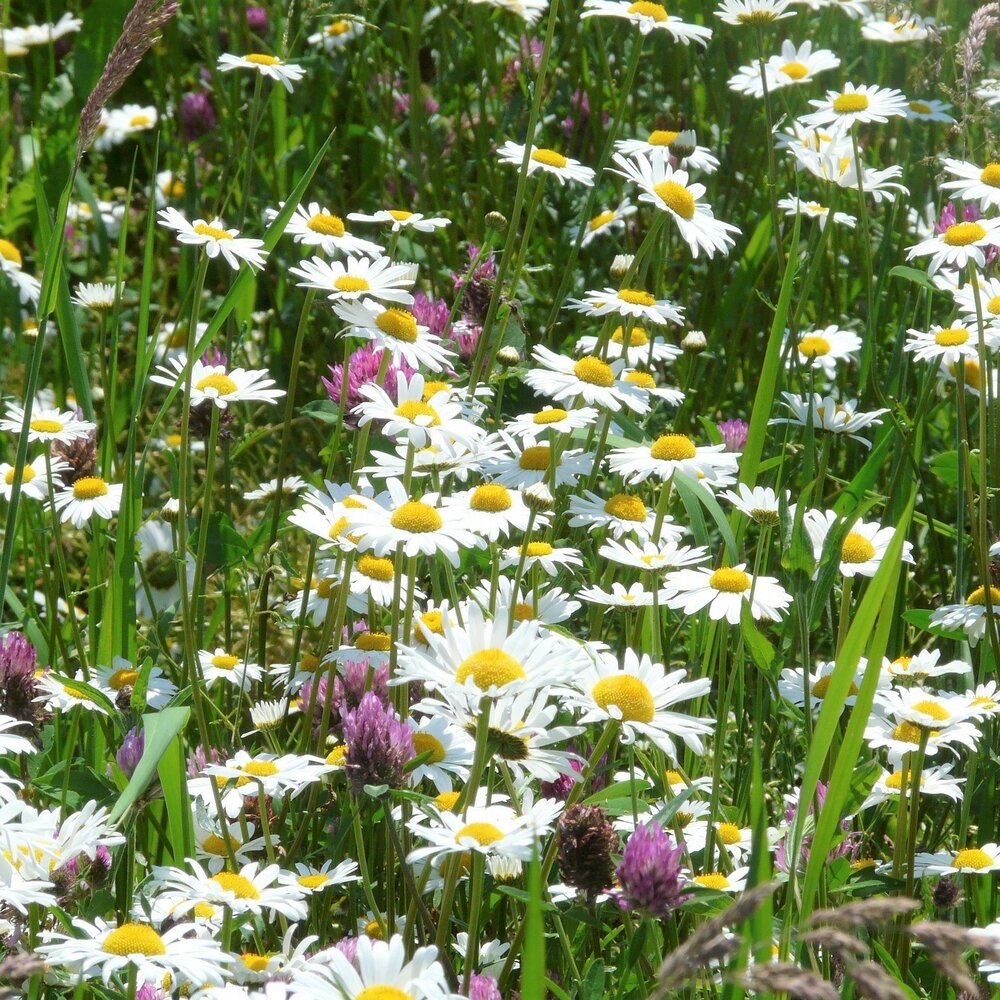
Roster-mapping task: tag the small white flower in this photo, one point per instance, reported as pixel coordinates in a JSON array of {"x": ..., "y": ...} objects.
[
  {"x": 270, "y": 66},
  {"x": 548, "y": 160},
  {"x": 215, "y": 238}
]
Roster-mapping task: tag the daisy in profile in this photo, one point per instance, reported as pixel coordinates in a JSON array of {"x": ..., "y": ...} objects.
[
  {"x": 671, "y": 192},
  {"x": 87, "y": 497},
  {"x": 400, "y": 219},
  {"x": 638, "y": 694},
  {"x": 668, "y": 454},
  {"x": 760, "y": 504},
  {"x": 396, "y": 330},
  {"x": 753, "y": 12},
  {"x": 794, "y": 66},
  {"x": 724, "y": 592},
  {"x": 863, "y": 547},
  {"x": 528, "y": 10},
  {"x": 654, "y": 557},
  {"x": 551, "y": 419},
  {"x": 215, "y": 238},
  {"x": 122, "y": 675},
  {"x": 270, "y": 66},
  {"x": 34, "y": 478},
  {"x": 220, "y": 664},
  {"x": 929, "y": 111},
  {"x": 550, "y": 607},
  {"x": 949, "y": 345},
  {"x": 47, "y": 424},
  {"x": 681, "y": 146},
  {"x": 357, "y": 277},
  {"x": 621, "y": 514},
  {"x": 635, "y": 345},
  {"x": 918, "y": 667},
  {"x": 526, "y": 462},
  {"x": 862, "y": 104},
  {"x": 217, "y": 384},
  {"x": 620, "y": 596},
  {"x": 823, "y": 349},
  {"x": 648, "y": 17},
  {"x": 102, "y": 950},
  {"x": 157, "y": 582},
  {"x": 795, "y": 685},
  {"x": 629, "y": 302},
  {"x": 97, "y": 296},
  {"x": 933, "y": 781},
  {"x": 970, "y": 861},
  {"x": 596, "y": 382},
  {"x": 267, "y": 774},
  {"x": 492, "y": 510},
  {"x": 814, "y": 210},
  {"x": 337, "y": 34},
  {"x": 974, "y": 183},
  {"x": 611, "y": 220},
  {"x": 548, "y": 160},
  {"x": 734, "y": 881},
  {"x": 896, "y": 30},
  {"x": 313, "y": 225},
  {"x": 541, "y": 555},
  {"x": 827, "y": 413},
  {"x": 970, "y": 615}
]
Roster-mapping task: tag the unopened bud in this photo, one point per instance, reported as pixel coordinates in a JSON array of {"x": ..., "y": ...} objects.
[
  {"x": 497, "y": 221},
  {"x": 621, "y": 265},
  {"x": 538, "y": 498},
  {"x": 508, "y": 357},
  {"x": 171, "y": 510},
  {"x": 694, "y": 342}
]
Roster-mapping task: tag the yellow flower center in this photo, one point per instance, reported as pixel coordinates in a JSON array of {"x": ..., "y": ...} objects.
[
  {"x": 993, "y": 306},
  {"x": 123, "y": 678},
  {"x": 918, "y": 107},
  {"x": 140, "y": 121},
  {"x": 847, "y": 104},
  {"x": 203, "y": 229},
  {"x": 820, "y": 688},
  {"x": 978, "y": 596},
  {"x": 523, "y": 613},
  {"x": 600, "y": 221},
  {"x": 337, "y": 756},
  {"x": 134, "y": 939},
  {"x": 432, "y": 388},
  {"x": 628, "y": 694},
  {"x": 313, "y": 881},
  {"x": 636, "y": 337},
  {"x": 795, "y": 70},
  {"x": 907, "y": 732},
  {"x": 490, "y": 668},
  {"x": 862, "y": 863},
  {"x": 636, "y": 297},
  {"x": 430, "y": 621},
  {"x": 673, "y": 777},
  {"x": 242, "y": 888},
  {"x": 813, "y": 346},
  {"x": 934, "y": 709},
  {"x": 491, "y": 497},
  {"x": 373, "y": 931},
  {"x": 10, "y": 252},
  {"x": 261, "y": 60},
  {"x": 446, "y": 801},
  {"x": 260, "y": 768},
  {"x": 972, "y": 857},
  {"x": 426, "y": 743},
  {"x": 90, "y": 488},
  {"x": 399, "y": 214},
  {"x": 351, "y": 283},
  {"x": 729, "y": 833},
  {"x": 552, "y": 416},
  {"x": 376, "y": 569},
  {"x": 27, "y": 474},
  {"x": 972, "y": 374},
  {"x": 730, "y": 581},
  {"x": 642, "y": 379},
  {"x": 255, "y": 962},
  {"x": 673, "y": 448},
  {"x": 46, "y": 426},
  {"x": 338, "y": 28},
  {"x": 535, "y": 458},
  {"x": 626, "y": 508},
  {"x": 175, "y": 188},
  {"x": 902, "y": 662},
  {"x": 962, "y": 234},
  {"x": 952, "y": 337},
  {"x": 712, "y": 880},
  {"x": 535, "y": 549},
  {"x": 373, "y": 642},
  {"x": 326, "y": 224},
  {"x": 549, "y": 158},
  {"x": 214, "y": 844},
  {"x": 646, "y": 9},
  {"x": 412, "y": 409},
  {"x": 416, "y": 517},
  {"x": 398, "y": 323},
  {"x": 594, "y": 372},
  {"x": 224, "y": 661},
  {"x": 895, "y": 780},
  {"x": 222, "y": 384},
  {"x": 991, "y": 174},
  {"x": 983, "y": 701},
  {"x": 677, "y": 197},
  {"x": 856, "y": 549},
  {"x": 482, "y": 833},
  {"x": 661, "y": 137}
]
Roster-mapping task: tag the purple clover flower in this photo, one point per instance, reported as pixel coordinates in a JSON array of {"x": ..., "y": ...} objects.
[
  {"x": 197, "y": 116},
  {"x": 362, "y": 370},
  {"x": 483, "y": 988},
  {"x": 734, "y": 434},
  {"x": 130, "y": 752},
  {"x": 650, "y": 872},
  {"x": 378, "y": 745}
]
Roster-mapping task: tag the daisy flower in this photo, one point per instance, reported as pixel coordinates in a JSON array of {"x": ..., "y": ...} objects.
[
  {"x": 628, "y": 302},
  {"x": 735, "y": 881},
  {"x": 621, "y": 514},
  {"x": 620, "y": 596},
  {"x": 596, "y": 382},
  {"x": 929, "y": 111},
  {"x": 219, "y": 385},
  {"x": 528, "y": 10},
  {"x": 947, "y": 345},
  {"x": 400, "y": 219},
  {"x": 814, "y": 210},
  {"x": 898, "y": 30},
  {"x": 989, "y": 298},
  {"x": 959, "y": 244},
  {"x": 970, "y": 615},
  {"x": 290, "y": 485},
  {"x": 336, "y": 34},
  {"x": 753, "y": 12},
  {"x": 215, "y": 238},
  {"x": 395, "y": 330},
  {"x": 97, "y": 296},
  {"x": 313, "y": 225},
  {"x": 270, "y": 66},
  {"x": 606, "y": 222},
  {"x": 863, "y": 547},
  {"x": 822, "y": 349},
  {"x": 268, "y": 774},
  {"x": 10, "y": 742},
  {"x": 542, "y": 555},
  {"x": 420, "y": 526},
  {"x": 552, "y": 419},
  {"x": 933, "y": 781},
  {"x": 449, "y": 747},
  {"x": 492, "y": 510},
  {"x": 901, "y": 736},
  {"x": 89, "y": 496},
  {"x": 122, "y": 675},
  {"x": 34, "y": 478},
  {"x": 652, "y": 557},
  {"x": 794, "y": 66},
  {"x": 548, "y": 160},
  {"x": 794, "y": 684},
  {"x": 373, "y": 578},
  {"x": 550, "y": 607},
  {"x": 864, "y": 104},
  {"x": 179, "y": 954},
  {"x": 638, "y": 694},
  {"x": 223, "y": 665},
  {"x": 524, "y": 463},
  {"x": 648, "y": 17},
  {"x": 682, "y": 147},
  {"x": 922, "y": 665},
  {"x": 634, "y": 345},
  {"x": 828, "y": 413},
  {"x": 47, "y": 424},
  {"x": 974, "y": 183},
  {"x": 668, "y": 454},
  {"x": 355, "y": 277},
  {"x": 157, "y": 582},
  {"x": 970, "y": 861},
  {"x": 760, "y": 504},
  {"x": 724, "y": 592},
  {"x": 670, "y": 191}
]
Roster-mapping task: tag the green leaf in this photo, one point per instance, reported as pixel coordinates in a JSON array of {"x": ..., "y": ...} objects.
[
  {"x": 692, "y": 495},
  {"x": 533, "y": 950},
  {"x": 912, "y": 274},
  {"x": 921, "y": 618},
  {"x": 761, "y": 651},
  {"x": 592, "y": 987},
  {"x": 224, "y": 546}
]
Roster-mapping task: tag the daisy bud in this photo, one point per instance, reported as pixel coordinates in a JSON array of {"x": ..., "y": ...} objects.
[
  {"x": 171, "y": 510},
  {"x": 694, "y": 342},
  {"x": 650, "y": 872},
  {"x": 621, "y": 264},
  {"x": 538, "y": 498},
  {"x": 508, "y": 357},
  {"x": 506, "y": 871},
  {"x": 497, "y": 221},
  {"x": 586, "y": 841}
]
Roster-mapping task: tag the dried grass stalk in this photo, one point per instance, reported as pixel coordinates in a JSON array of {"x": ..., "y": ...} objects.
[
  {"x": 786, "y": 977},
  {"x": 946, "y": 945},
  {"x": 874, "y": 983},
  {"x": 844, "y": 944},
  {"x": 867, "y": 913}
]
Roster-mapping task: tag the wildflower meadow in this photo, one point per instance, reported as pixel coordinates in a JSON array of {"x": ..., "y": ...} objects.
[{"x": 499, "y": 499}]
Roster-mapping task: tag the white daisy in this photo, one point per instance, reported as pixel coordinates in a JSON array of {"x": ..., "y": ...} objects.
[
  {"x": 863, "y": 547},
  {"x": 219, "y": 385},
  {"x": 681, "y": 145},
  {"x": 620, "y": 596},
  {"x": 400, "y": 219},
  {"x": 524, "y": 463},
  {"x": 611, "y": 220},
  {"x": 628, "y": 302},
  {"x": 552, "y": 419},
  {"x": 974, "y": 183},
  {"x": 542, "y": 555},
  {"x": 313, "y": 225},
  {"x": 670, "y": 453},
  {"x": 946, "y": 345},
  {"x": 897, "y": 30},
  {"x": 492, "y": 510},
  {"x": 34, "y": 478},
  {"x": 827, "y": 413},
  {"x": 122, "y": 675},
  {"x": 223, "y": 665},
  {"x": 960, "y": 244},
  {"x": 47, "y": 424},
  {"x": 933, "y": 781},
  {"x": 814, "y": 210},
  {"x": 157, "y": 581},
  {"x": 550, "y": 606},
  {"x": 795, "y": 685},
  {"x": 87, "y": 497},
  {"x": 734, "y": 881},
  {"x": 337, "y": 34},
  {"x": 596, "y": 382},
  {"x": 822, "y": 349},
  {"x": 654, "y": 556},
  {"x": 634, "y": 345},
  {"x": 397, "y": 331},
  {"x": 270, "y": 66},
  {"x": 970, "y": 861},
  {"x": 528, "y": 10},
  {"x": 268, "y": 490},
  {"x": 619, "y": 515},
  {"x": 96, "y": 295},
  {"x": 760, "y": 504},
  {"x": 215, "y": 238},
  {"x": 929, "y": 111},
  {"x": 794, "y": 66},
  {"x": 648, "y": 17},
  {"x": 548, "y": 160},
  {"x": 355, "y": 277},
  {"x": 724, "y": 592},
  {"x": 970, "y": 615},
  {"x": 918, "y": 667},
  {"x": 450, "y": 750},
  {"x": 862, "y": 104},
  {"x": 753, "y": 12}
]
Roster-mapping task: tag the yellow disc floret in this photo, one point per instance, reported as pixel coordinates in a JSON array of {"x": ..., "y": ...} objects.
[
  {"x": 490, "y": 668},
  {"x": 628, "y": 694}
]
